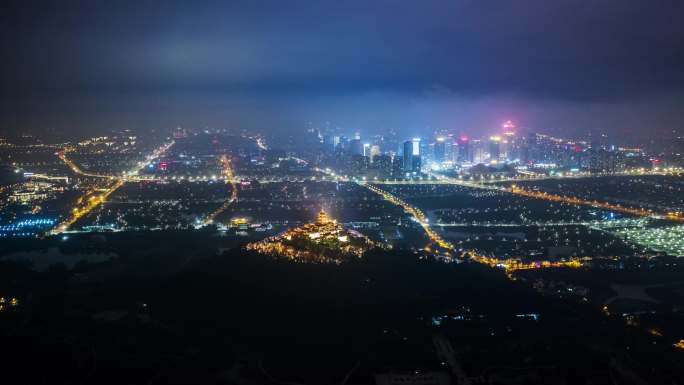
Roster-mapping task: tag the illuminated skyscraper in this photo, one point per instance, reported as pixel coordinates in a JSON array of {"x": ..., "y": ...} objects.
[
  {"x": 465, "y": 153},
  {"x": 366, "y": 150},
  {"x": 440, "y": 151},
  {"x": 494, "y": 148},
  {"x": 407, "y": 150},
  {"x": 412, "y": 160},
  {"x": 331, "y": 142}
]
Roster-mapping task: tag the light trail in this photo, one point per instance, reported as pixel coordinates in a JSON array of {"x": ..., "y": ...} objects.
[
  {"x": 158, "y": 152},
  {"x": 538, "y": 177},
  {"x": 228, "y": 174},
  {"x": 47, "y": 177},
  {"x": 511, "y": 265},
  {"x": 408, "y": 208},
  {"x": 329, "y": 176},
  {"x": 516, "y": 190},
  {"x": 674, "y": 216},
  {"x": 414, "y": 212},
  {"x": 86, "y": 204},
  {"x": 598, "y": 224},
  {"x": 76, "y": 168},
  {"x": 95, "y": 197}
]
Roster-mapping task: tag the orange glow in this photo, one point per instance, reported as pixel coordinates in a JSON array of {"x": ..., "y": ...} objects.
[{"x": 228, "y": 173}]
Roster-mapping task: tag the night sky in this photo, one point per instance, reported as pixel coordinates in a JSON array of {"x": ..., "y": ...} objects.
[{"x": 561, "y": 66}]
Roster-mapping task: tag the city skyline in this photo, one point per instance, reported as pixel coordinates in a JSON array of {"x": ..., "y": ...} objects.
[{"x": 314, "y": 192}]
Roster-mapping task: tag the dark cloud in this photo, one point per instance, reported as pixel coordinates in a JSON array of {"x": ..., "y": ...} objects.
[{"x": 102, "y": 64}]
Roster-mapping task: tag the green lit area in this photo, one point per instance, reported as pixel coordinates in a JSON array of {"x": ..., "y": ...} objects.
[{"x": 669, "y": 239}]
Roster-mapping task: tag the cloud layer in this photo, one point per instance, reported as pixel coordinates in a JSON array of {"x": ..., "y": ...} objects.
[{"x": 272, "y": 64}]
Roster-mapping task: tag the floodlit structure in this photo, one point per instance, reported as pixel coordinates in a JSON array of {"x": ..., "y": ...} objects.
[{"x": 322, "y": 241}]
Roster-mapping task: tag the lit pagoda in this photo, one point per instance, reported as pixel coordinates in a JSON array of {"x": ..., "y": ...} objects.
[{"x": 322, "y": 241}]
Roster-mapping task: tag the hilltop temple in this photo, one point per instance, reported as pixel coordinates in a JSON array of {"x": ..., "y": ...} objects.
[{"x": 321, "y": 241}]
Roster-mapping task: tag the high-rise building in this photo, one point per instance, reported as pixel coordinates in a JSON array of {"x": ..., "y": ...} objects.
[
  {"x": 383, "y": 165},
  {"x": 479, "y": 151},
  {"x": 412, "y": 158},
  {"x": 494, "y": 148},
  {"x": 331, "y": 142},
  {"x": 452, "y": 150},
  {"x": 344, "y": 143},
  {"x": 465, "y": 153},
  {"x": 406, "y": 155},
  {"x": 509, "y": 146},
  {"x": 366, "y": 150},
  {"x": 355, "y": 147},
  {"x": 417, "y": 163},
  {"x": 398, "y": 167},
  {"x": 374, "y": 152},
  {"x": 440, "y": 151}
]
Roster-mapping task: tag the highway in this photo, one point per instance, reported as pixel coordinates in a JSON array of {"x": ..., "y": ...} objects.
[
  {"x": 593, "y": 224},
  {"x": 509, "y": 265},
  {"x": 87, "y": 203},
  {"x": 415, "y": 212},
  {"x": 62, "y": 154},
  {"x": 96, "y": 196},
  {"x": 642, "y": 212},
  {"x": 434, "y": 179},
  {"x": 228, "y": 177},
  {"x": 157, "y": 153},
  {"x": 517, "y": 190},
  {"x": 330, "y": 176}
]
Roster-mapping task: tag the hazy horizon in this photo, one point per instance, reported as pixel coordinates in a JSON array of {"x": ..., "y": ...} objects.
[{"x": 565, "y": 67}]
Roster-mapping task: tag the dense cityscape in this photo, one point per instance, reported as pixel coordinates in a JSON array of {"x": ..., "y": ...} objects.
[
  {"x": 555, "y": 216},
  {"x": 342, "y": 193}
]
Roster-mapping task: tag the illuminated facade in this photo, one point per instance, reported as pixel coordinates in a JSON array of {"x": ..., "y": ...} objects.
[
  {"x": 322, "y": 241},
  {"x": 412, "y": 155},
  {"x": 33, "y": 191}
]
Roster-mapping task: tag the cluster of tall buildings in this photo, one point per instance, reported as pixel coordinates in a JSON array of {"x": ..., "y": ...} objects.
[{"x": 390, "y": 157}]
